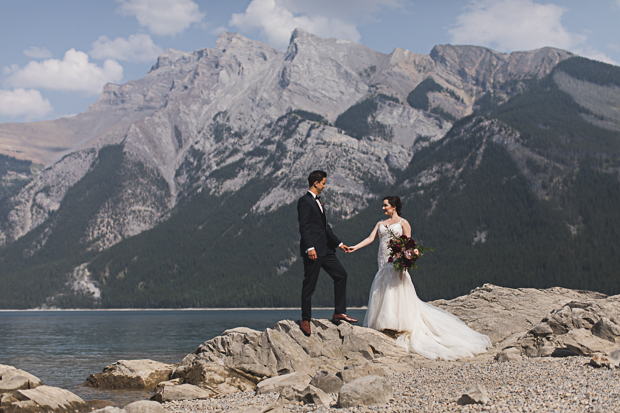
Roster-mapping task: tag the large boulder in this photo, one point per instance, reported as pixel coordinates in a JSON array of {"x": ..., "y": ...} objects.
[
  {"x": 503, "y": 313},
  {"x": 131, "y": 374},
  {"x": 42, "y": 399},
  {"x": 365, "y": 391},
  {"x": 12, "y": 379}
]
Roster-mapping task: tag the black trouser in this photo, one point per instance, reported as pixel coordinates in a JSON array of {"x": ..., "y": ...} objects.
[{"x": 332, "y": 266}]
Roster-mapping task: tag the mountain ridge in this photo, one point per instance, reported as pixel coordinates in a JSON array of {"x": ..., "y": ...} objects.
[{"x": 240, "y": 125}]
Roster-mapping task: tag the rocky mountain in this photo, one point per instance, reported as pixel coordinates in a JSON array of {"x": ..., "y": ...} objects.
[{"x": 178, "y": 189}]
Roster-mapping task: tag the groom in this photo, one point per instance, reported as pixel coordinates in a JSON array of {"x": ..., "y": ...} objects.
[{"x": 318, "y": 249}]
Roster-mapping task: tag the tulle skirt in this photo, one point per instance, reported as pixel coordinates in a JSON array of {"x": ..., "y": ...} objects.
[{"x": 427, "y": 330}]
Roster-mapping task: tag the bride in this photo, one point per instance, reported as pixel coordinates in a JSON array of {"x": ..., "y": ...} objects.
[{"x": 394, "y": 305}]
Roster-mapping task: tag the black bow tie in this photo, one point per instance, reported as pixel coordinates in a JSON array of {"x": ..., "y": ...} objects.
[{"x": 318, "y": 198}]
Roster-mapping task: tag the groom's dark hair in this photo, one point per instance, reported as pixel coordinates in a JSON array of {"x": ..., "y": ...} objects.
[{"x": 316, "y": 176}]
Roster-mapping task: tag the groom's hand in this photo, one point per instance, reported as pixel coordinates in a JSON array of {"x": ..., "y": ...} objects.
[
  {"x": 344, "y": 248},
  {"x": 312, "y": 254}
]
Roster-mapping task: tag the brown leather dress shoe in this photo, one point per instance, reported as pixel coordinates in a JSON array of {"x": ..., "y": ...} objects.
[
  {"x": 305, "y": 327},
  {"x": 344, "y": 317}
]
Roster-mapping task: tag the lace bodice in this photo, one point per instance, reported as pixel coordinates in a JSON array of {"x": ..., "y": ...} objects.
[{"x": 384, "y": 237}]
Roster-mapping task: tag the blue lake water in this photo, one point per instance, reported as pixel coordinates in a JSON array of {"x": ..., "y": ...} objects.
[{"x": 63, "y": 348}]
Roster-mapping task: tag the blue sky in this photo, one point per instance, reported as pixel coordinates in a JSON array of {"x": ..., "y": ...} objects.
[{"x": 57, "y": 55}]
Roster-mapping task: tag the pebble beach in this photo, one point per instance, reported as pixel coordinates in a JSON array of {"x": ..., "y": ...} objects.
[{"x": 529, "y": 385}]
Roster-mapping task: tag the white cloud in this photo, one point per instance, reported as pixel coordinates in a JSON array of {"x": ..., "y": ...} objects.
[
  {"x": 509, "y": 25},
  {"x": 276, "y": 22},
  {"x": 349, "y": 10},
  {"x": 162, "y": 17},
  {"x": 73, "y": 73},
  {"x": 21, "y": 102},
  {"x": 137, "y": 48},
  {"x": 38, "y": 52}
]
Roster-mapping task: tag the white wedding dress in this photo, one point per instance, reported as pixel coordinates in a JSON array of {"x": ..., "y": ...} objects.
[{"x": 427, "y": 330}]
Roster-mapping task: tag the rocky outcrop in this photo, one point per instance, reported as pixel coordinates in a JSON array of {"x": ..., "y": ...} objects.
[
  {"x": 247, "y": 357},
  {"x": 12, "y": 379},
  {"x": 22, "y": 392},
  {"x": 42, "y": 399},
  {"x": 131, "y": 374},
  {"x": 505, "y": 314},
  {"x": 583, "y": 327},
  {"x": 540, "y": 322}
]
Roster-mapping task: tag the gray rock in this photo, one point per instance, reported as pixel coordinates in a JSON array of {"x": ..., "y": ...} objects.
[
  {"x": 582, "y": 342},
  {"x": 43, "y": 398},
  {"x": 539, "y": 346},
  {"x": 276, "y": 384},
  {"x": 541, "y": 330},
  {"x": 509, "y": 354},
  {"x": 365, "y": 391},
  {"x": 476, "y": 394},
  {"x": 305, "y": 394},
  {"x": 355, "y": 372},
  {"x": 327, "y": 381},
  {"x": 172, "y": 392},
  {"x": 215, "y": 377},
  {"x": 144, "y": 406},
  {"x": 12, "y": 379},
  {"x": 573, "y": 315},
  {"x": 614, "y": 357},
  {"x": 131, "y": 374},
  {"x": 607, "y": 330}
]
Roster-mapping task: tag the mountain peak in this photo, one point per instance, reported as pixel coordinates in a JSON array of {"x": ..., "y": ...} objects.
[{"x": 170, "y": 57}]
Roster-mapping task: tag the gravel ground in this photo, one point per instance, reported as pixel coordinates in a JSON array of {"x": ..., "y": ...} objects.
[{"x": 531, "y": 385}]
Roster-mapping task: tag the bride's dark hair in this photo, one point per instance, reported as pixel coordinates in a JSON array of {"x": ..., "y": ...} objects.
[{"x": 395, "y": 202}]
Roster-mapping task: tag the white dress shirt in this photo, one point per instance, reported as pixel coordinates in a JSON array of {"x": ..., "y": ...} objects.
[{"x": 318, "y": 202}]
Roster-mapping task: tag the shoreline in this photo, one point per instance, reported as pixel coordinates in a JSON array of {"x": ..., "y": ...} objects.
[{"x": 167, "y": 309}]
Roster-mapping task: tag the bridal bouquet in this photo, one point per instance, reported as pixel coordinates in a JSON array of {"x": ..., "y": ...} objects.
[{"x": 404, "y": 251}]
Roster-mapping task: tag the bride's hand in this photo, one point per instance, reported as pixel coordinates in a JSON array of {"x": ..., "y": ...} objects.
[{"x": 351, "y": 249}]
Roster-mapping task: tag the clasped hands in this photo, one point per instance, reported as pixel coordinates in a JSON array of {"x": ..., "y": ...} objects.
[{"x": 312, "y": 253}]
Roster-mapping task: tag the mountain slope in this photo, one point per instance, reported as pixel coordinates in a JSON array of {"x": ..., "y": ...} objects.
[{"x": 190, "y": 199}]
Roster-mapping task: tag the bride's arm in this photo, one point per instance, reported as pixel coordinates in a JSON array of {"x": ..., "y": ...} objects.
[
  {"x": 367, "y": 241},
  {"x": 406, "y": 228}
]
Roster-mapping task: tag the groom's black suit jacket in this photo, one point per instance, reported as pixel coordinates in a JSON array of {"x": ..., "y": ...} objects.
[{"x": 313, "y": 227}]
